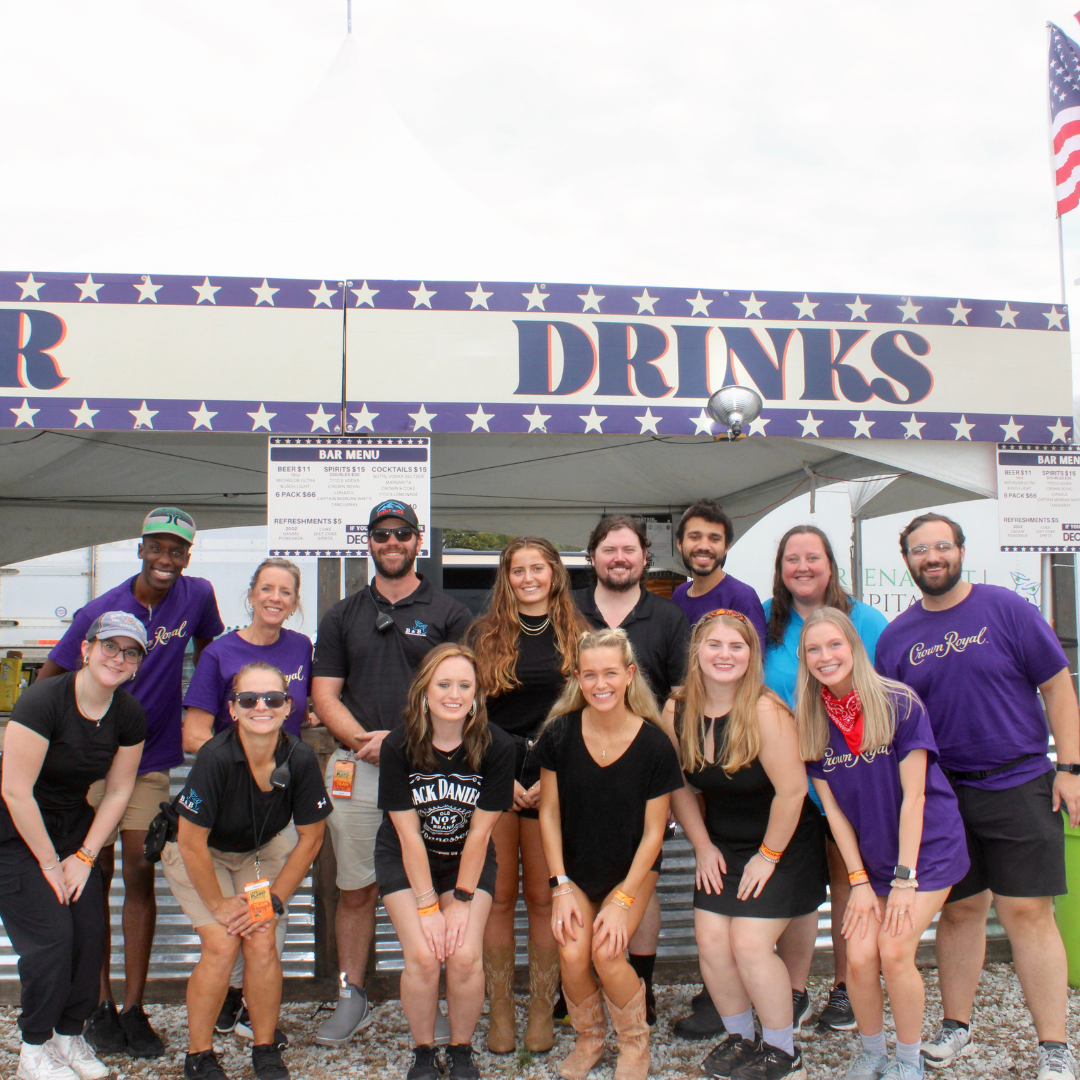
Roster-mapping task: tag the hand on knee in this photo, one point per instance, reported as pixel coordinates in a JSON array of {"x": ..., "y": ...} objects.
[{"x": 424, "y": 966}]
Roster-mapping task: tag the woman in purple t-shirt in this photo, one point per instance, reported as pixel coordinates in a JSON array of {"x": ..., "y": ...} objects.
[{"x": 871, "y": 753}]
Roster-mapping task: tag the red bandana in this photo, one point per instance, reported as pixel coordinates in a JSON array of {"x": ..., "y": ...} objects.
[{"x": 847, "y": 715}]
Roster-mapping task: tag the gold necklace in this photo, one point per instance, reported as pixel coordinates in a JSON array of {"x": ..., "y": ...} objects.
[
  {"x": 533, "y": 631},
  {"x": 603, "y": 752}
]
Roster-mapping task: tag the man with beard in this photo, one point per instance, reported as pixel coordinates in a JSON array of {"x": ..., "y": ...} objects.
[
  {"x": 368, "y": 648},
  {"x": 618, "y": 551},
  {"x": 704, "y": 536},
  {"x": 976, "y": 655}
]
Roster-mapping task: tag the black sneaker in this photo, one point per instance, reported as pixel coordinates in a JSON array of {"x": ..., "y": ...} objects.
[
  {"x": 700, "y": 1000},
  {"x": 772, "y": 1063},
  {"x": 731, "y": 1054},
  {"x": 461, "y": 1062},
  {"x": 838, "y": 1014},
  {"x": 703, "y": 1023},
  {"x": 267, "y": 1063},
  {"x": 800, "y": 1010},
  {"x": 243, "y": 1029},
  {"x": 142, "y": 1040},
  {"x": 103, "y": 1031},
  {"x": 560, "y": 1014},
  {"x": 203, "y": 1066},
  {"x": 234, "y": 1002},
  {"x": 425, "y": 1065}
]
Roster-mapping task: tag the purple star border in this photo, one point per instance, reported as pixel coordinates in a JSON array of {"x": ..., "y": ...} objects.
[
  {"x": 534, "y": 298},
  {"x": 655, "y": 419}
]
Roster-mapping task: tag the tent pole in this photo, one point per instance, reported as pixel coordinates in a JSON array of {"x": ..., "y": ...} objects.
[
  {"x": 856, "y": 557},
  {"x": 1046, "y": 590}
]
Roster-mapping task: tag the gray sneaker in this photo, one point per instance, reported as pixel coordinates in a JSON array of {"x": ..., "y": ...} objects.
[
  {"x": 1055, "y": 1062},
  {"x": 352, "y": 1013},
  {"x": 867, "y": 1067},
  {"x": 901, "y": 1070},
  {"x": 946, "y": 1045},
  {"x": 442, "y": 1027}
]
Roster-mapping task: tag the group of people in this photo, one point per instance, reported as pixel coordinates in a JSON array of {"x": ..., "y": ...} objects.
[{"x": 804, "y": 745}]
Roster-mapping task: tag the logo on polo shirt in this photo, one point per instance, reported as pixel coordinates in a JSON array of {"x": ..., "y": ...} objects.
[
  {"x": 163, "y": 636},
  {"x": 418, "y": 629},
  {"x": 190, "y": 801}
]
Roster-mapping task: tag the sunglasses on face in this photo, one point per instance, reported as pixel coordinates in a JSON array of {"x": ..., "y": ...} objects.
[
  {"x": 248, "y": 699},
  {"x": 380, "y": 536}
]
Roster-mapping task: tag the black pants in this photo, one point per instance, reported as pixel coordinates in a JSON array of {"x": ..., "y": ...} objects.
[{"x": 59, "y": 946}]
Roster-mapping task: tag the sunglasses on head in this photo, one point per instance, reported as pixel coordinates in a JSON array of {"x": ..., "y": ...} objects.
[
  {"x": 380, "y": 536},
  {"x": 249, "y": 699}
]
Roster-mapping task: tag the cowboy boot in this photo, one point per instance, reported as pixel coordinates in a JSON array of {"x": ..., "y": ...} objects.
[
  {"x": 632, "y": 1030},
  {"x": 499, "y": 976},
  {"x": 543, "y": 989},
  {"x": 590, "y": 1023}
]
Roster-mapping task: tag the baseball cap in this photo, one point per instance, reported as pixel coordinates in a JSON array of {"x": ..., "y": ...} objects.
[
  {"x": 112, "y": 624},
  {"x": 170, "y": 520},
  {"x": 389, "y": 508}
]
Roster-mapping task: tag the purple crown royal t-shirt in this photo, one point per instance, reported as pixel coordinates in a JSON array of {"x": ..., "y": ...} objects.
[
  {"x": 211, "y": 684},
  {"x": 977, "y": 666},
  {"x": 867, "y": 789},
  {"x": 730, "y": 593},
  {"x": 189, "y": 610}
]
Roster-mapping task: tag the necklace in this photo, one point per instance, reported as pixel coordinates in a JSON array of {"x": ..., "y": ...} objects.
[
  {"x": 604, "y": 750},
  {"x": 534, "y": 631},
  {"x": 78, "y": 704}
]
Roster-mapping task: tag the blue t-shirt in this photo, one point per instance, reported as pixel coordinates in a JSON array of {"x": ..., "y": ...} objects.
[
  {"x": 978, "y": 666},
  {"x": 730, "y": 593}
]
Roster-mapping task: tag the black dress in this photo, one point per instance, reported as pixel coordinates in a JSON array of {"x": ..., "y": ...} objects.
[{"x": 737, "y": 811}]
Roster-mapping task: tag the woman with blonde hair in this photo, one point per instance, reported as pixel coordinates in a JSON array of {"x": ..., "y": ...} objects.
[
  {"x": 871, "y": 752},
  {"x": 445, "y": 776},
  {"x": 525, "y": 645},
  {"x": 606, "y": 777},
  {"x": 759, "y": 851}
]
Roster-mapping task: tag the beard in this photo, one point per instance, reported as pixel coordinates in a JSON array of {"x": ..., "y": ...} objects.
[
  {"x": 621, "y": 585},
  {"x": 941, "y": 588},
  {"x": 697, "y": 571},
  {"x": 389, "y": 572}
]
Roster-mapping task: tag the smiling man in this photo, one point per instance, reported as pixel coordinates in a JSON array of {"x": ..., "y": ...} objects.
[{"x": 175, "y": 609}]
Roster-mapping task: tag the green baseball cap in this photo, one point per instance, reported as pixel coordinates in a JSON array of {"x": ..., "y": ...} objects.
[{"x": 170, "y": 520}]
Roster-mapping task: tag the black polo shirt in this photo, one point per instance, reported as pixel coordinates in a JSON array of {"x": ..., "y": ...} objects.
[
  {"x": 657, "y": 629},
  {"x": 221, "y": 794},
  {"x": 378, "y": 666}
]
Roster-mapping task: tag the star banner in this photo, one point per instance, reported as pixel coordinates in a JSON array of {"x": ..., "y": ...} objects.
[{"x": 205, "y": 353}]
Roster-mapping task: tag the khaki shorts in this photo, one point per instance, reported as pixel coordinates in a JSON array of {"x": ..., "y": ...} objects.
[
  {"x": 151, "y": 788},
  {"x": 234, "y": 870},
  {"x": 354, "y": 823}
]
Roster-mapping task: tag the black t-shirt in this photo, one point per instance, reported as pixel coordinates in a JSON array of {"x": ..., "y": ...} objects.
[
  {"x": 378, "y": 666},
  {"x": 523, "y": 709},
  {"x": 221, "y": 793},
  {"x": 657, "y": 629},
  {"x": 445, "y": 796},
  {"x": 602, "y": 809},
  {"x": 80, "y": 752}
]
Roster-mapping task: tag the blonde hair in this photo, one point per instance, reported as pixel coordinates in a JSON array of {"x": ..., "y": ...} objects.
[
  {"x": 878, "y": 696},
  {"x": 638, "y": 697},
  {"x": 742, "y": 738}
]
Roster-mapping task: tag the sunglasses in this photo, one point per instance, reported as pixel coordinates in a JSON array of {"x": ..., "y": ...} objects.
[
  {"x": 248, "y": 699},
  {"x": 380, "y": 536}
]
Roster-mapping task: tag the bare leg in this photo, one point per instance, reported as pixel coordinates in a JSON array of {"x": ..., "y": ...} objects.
[
  {"x": 863, "y": 978},
  {"x": 1039, "y": 959},
  {"x": 106, "y": 863},
  {"x": 208, "y": 984},
  {"x": 839, "y": 891},
  {"x": 499, "y": 932},
  {"x": 420, "y": 979},
  {"x": 761, "y": 970},
  {"x": 534, "y": 869},
  {"x": 717, "y": 961},
  {"x": 355, "y": 926},
  {"x": 796, "y": 949},
  {"x": 961, "y": 949},
  {"x": 645, "y": 939},
  {"x": 140, "y": 915},
  {"x": 262, "y": 984},
  {"x": 619, "y": 980},
  {"x": 465, "y": 971}
]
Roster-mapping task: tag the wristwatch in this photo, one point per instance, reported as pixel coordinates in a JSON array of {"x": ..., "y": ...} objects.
[
  {"x": 277, "y": 904},
  {"x": 556, "y": 880},
  {"x": 1074, "y": 768},
  {"x": 463, "y": 895},
  {"x": 904, "y": 873}
]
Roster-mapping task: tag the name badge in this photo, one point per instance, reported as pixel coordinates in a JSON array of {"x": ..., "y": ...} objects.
[
  {"x": 344, "y": 770},
  {"x": 260, "y": 906}
]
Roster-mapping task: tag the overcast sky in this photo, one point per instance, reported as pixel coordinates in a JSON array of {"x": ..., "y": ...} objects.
[{"x": 826, "y": 145}]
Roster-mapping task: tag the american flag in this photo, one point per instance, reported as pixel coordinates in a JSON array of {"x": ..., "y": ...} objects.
[{"x": 1065, "y": 117}]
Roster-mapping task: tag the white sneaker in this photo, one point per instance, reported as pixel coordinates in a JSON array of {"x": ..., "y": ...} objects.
[
  {"x": 1056, "y": 1063},
  {"x": 867, "y": 1067},
  {"x": 946, "y": 1045},
  {"x": 74, "y": 1051},
  {"x": 41, "y": 1063}
]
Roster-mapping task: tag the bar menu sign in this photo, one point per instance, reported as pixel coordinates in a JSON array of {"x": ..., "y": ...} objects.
[
  {"x": 320, "y": 491},
  {"x": 1038, "y": 497}
]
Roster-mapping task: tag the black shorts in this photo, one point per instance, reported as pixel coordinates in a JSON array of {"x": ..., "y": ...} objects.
[
  {"x": 1015, "y": 840},
  {"x": 390, "y": 869}
]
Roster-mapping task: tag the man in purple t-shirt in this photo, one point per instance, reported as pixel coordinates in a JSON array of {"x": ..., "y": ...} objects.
[
  {"x": 978, "y": 655},
  {"x": 174, "y": 609}
]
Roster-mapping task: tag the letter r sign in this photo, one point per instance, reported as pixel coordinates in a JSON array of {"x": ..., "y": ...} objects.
[{"x": 25, "y": 340}]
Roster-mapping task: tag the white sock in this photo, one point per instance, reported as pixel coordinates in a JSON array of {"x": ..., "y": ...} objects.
[
  {"x": 874, "y": 1044},
  {"x": 31, "y": 1049},
  {"x": 784, "y": 1038},
  {"x": 908, "y": 1053},
  {"x": 741, "y": 1024}
]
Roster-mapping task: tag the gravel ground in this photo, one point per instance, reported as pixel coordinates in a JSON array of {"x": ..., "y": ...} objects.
[{"x": 1003, "y": 1033}]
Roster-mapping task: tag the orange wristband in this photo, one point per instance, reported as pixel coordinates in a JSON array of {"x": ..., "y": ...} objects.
[
  {"x": 624, "y": 897},
  {"x": 85, "y": 856},
  {"x": 858, "y": 877},
  {"x": 429, "y": 910},
  {"x": 768, "y": 853}
]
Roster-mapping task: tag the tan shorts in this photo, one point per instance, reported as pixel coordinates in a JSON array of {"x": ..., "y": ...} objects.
[
  {"x": 234, "y": 870},
  {"x": 151, "y": 788},
  {"x": 354, "y": 823}
]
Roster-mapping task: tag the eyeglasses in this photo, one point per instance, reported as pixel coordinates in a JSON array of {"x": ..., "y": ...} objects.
[
  {"x": 942, "y": 547},
  {"x": 248, "y": 699},
  {"x": 380, "y": 536},
  {"x": 111, "y": 650}
]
